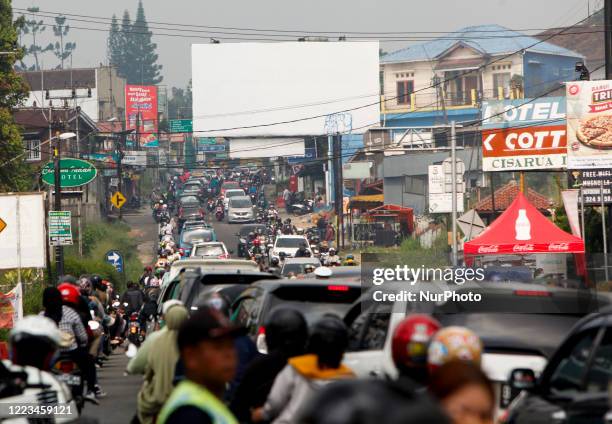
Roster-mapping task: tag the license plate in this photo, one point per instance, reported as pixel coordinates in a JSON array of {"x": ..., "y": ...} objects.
[
  {"x": 69, "y": 379},
  {"x": 507, "y": 395}
]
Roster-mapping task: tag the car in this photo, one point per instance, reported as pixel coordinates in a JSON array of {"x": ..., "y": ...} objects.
[
  {"x": 297, "y": 265},
  {"x": 189, "y": 238},
  {"x": 234, "y": 192},
  {"x": 211, "y": 249},
  {"x": 312, "y": 297},
  {"x": 195, "y": 223},
  {"x": 575, "y": 384},
  {"x": 243, "y": 233},
  {"x": 227, "y": 185},
  {"x": 240, "y": 210},
  {"x": 288, "y": 245},
  {"x": 520, "y": 325},
  {"x": 188, "y": 199}
]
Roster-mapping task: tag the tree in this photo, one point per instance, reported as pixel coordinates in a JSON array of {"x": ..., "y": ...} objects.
[
  {"x": 32, "y": 27},
  {"x": 114, "y": 52},
  {"x": 14, "y": 171},
  {"x": 147, "y": 71},
  {"x": 62, "y": 51},
  {"x": 179, "y": 106}
]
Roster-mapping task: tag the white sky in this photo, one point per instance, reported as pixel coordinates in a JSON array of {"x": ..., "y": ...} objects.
[{"x": 313, "y": 15}]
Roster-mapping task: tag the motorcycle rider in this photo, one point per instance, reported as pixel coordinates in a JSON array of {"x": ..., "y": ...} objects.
[
  {"x": 206, "y": 345},
  {"x": 303, "y": 251},
  {"x": 288, "y": 228},
  {"x": 134, "y": 297},
  {"x": 305, "y": 375},
  {"x": 34, "y": 341},
  {"x": 309, "y": 269},
  {"x": 256, "y": 249},
  {"x": 453, "y": 343},
  {"x": 274, "y": 267},
  {"x": 286, "y": 334},
  {"x": 409, "y": 345},
  {"x": 332, "y": 258},
  {"x": 144, "y": 278}
]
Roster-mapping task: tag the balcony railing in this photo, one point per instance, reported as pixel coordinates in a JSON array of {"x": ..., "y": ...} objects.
[{"x": 431, "y": 101}]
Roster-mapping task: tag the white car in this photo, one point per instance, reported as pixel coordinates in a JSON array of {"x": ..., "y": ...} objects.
[
  {"x": 288, "y": 244},
  {"x": 229, "y": 193},
  {"x": 511, "y": 340},
  {"x": 212, "y": 249},
  {"x": 240, "y": 210}
]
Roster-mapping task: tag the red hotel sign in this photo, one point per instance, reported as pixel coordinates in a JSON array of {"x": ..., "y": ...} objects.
[{"x": 525, "y": 148}]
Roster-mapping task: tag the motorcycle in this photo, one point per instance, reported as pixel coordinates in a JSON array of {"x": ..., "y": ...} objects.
[
  {"x": 302, "y": 208},
  {"x": 134, "y": 334},
  {"x": 219, "y": 213},
  {"x": 210, "y": 206}
]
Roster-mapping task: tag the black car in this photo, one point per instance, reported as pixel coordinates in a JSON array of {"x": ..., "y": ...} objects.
[
  {"x": 574, "y": 386},
  {"x": 242, "y": 234}
]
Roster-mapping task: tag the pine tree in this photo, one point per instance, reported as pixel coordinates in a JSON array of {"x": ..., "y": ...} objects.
[
  {"x": 125, "y": 52},
  {"x": 147, "y": 71},
  {"x": 113, "y": 45},
  {"x": 62, "y": 51},
  {"x": 14, "y": 171}
]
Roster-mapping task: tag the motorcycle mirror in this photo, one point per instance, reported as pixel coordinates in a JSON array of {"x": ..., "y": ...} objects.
[
  {"x": 93, "y": 325},
  {"x": 131, "y": 350}
]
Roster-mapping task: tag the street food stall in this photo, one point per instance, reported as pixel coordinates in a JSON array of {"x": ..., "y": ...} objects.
[{"x": 385, "y": 225}]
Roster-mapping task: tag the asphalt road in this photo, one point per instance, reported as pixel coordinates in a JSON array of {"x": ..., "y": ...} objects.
[{"x": 227, "y": 234}]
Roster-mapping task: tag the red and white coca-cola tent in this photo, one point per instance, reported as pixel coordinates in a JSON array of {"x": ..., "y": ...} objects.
[{"x": 531, "y": 233}]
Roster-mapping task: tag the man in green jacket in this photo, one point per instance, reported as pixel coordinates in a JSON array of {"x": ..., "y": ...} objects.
[{"x": 206, "y": 345}]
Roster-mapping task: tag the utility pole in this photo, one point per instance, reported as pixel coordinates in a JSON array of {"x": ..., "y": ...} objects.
[
  {"x": 454, "y": 191},
  {"x": 338, "y": 195},
  {"x": 119, "y": 153},
  {"x": 59, "y": 250}
]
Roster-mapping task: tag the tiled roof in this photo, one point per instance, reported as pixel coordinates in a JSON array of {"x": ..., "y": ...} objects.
[
  {"x": 488, "y": 39},
  {"x": 506, "y": 194},
  {"x": 59, "y": 79}
]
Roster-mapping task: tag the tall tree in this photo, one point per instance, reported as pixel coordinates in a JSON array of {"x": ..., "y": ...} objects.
[
  {"x": 179, "y": 106},
  {"x": 14, "y": 171},
  {"x": 120, "y": 49},
  {"x": 33, "y": 27},
  {"x": 62, "y": 51},
  {"x": 146, "y": 71},
  {"x": 113, "y": 46}
]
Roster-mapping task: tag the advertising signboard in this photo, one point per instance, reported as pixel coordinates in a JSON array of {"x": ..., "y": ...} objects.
[
  {"x": 135, "y": 157},
  {"x": 594, "y": 183},
  {"x": 22, "y": 233},
  {"x": 180, "y": 125},
  {"x": 589, "y": 124},
  {"x": 141, "y": 110},
  {"x": 73, "y": 173},
  {"x": 524, "y": 134},
  {"x": 60, "y": 228}
]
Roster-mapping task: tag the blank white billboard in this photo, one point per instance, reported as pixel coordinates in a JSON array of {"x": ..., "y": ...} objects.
[
  {"x": 283, "y": 89},
  {"x": 246, "y": 148},
  {"x": 22, "y": 241}
]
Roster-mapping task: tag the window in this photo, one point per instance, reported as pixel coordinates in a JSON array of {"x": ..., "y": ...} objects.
[
  {"x": 404, "y": 91},
  {"x": 501, "y": 80},
  {"x": 369, "y": 330},
  {"x": 414, "y": 185},
  {"x": 570, "y": 369},
  {"x": 32, "y": 149},
  {"x": 600, "y": 373}
]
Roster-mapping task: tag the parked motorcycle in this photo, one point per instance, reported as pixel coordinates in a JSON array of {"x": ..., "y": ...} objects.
[{"x": 302, "y": 208}]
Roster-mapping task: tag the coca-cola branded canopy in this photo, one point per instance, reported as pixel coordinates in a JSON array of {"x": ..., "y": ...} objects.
[{"x": 522, "y": 229}]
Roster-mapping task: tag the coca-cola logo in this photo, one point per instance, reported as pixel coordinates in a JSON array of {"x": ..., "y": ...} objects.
[
  {"x": 488, "y": 249},
  {"x": 523, "y": 248},
  {"x": 558, "y": 247}
]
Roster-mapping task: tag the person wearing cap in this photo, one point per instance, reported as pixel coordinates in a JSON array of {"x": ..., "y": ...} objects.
[
  {"x": 322, "y": 273},
  {"x": 206, "y": 345},
  {"x": 159, "y": 370}
]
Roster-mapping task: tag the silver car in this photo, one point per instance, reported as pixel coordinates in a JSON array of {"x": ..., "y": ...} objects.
[{"x": 240, "y": 209}]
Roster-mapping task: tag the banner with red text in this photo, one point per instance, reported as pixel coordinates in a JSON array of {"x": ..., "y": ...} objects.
[{"x": 141, "y": 114}]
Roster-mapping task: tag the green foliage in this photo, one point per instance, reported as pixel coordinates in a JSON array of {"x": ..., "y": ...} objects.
[
  {"x": 32, "y": 27},
  {"x": 62, "y": 50},
  {"x": 132, "y": 51},
  {"x": 179, "y": 106},
  {"x": 411, "y": 253}
]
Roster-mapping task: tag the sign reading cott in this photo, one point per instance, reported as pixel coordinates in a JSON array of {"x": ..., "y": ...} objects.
[{"x": 524, "y": 135}]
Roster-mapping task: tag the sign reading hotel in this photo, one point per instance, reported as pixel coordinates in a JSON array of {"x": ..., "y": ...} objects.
[{"x": 524, "y": 134}]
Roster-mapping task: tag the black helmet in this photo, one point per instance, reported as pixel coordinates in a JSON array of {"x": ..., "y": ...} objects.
[
  {"x": 274, "y": 261},
  {"x": 215, "y": 301},
  {"x": 286, "y": 332},
  {"x": 328, "y": 340},
  {"x": 364, "y": 401},
  {"x": 96, "y": 282}
]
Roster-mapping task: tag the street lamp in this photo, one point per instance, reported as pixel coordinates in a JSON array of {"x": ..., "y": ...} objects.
[{"x": 59, "y": 250}]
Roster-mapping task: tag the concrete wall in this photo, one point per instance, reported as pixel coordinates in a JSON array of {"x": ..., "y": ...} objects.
[{"x": 111, "y": 93}]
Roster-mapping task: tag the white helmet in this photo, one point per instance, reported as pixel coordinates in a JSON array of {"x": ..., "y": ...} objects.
[
  {"x": 323, "y": 272},
  {"x": 170, "y": 303},
  {"x": 36, "y": 326}
]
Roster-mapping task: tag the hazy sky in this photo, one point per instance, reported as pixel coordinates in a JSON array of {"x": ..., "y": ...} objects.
[{"x": 311, "y": 15}]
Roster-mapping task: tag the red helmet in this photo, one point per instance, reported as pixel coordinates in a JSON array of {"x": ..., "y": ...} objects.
[
  {"x": 411, "y": 340},
  {"x": 256, "y": 242},
  {"x": 70, "y": 293}
]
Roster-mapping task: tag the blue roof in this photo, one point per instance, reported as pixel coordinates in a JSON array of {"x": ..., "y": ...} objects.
[{"x": 488, "y": 39}]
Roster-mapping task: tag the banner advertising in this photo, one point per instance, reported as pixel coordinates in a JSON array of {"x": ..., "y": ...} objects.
[
  {"x": 524, "y": 134},
  {"x": 11, "y": 307},
  {"x": 589, "y": 124},
  {"x": 141, "y": 110}
]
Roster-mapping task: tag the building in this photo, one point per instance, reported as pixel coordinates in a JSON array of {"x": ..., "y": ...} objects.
[
  {"x": 439, "y": 81},
  {"x": 99, "y": 92}
]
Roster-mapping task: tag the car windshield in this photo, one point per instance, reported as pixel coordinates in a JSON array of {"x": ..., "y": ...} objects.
[
  {"x": 228, "y": 185},
  {"x": 290, "y": 242},
  {"x": 203, "y": 235},
  {"x": 189, "y": 199},
  {"x": 209, "y": 250},
  {"x": 241, "y": 203},
  {"x": 234, "y": 193},
  {"x": 297, "y": 268}
]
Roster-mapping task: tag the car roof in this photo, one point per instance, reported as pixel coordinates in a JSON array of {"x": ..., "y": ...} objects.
[
  {"x": 289, "y": 261},
  {"x": 210, "y": 263},
  {"x": 229, "y": 190},
  {"x": 295, "y": 236},
  {"x": 207, "y": 243},
  {"x": 305, "y": 282}
]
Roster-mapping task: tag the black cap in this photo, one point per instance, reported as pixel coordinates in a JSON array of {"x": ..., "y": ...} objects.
[{"x": 206, "y": 324}]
